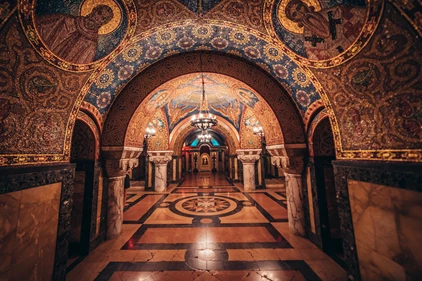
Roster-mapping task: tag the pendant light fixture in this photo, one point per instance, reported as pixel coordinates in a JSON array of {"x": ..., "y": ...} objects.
[{"x": 204, "y": 119}]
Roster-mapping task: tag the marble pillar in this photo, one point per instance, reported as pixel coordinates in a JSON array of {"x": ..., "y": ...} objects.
[
  {"x": 160, "y": 159},
  {"x": 295, "y": 209},
  {"x": 290, "y": 158},
  {"x": 115, "y": 207},
  {"x": 248, "y": 157},
  {"x": 117, "y": 161}
]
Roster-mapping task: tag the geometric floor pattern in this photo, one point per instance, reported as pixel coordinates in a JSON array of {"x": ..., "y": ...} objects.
[{"x": 206, "y": 229}]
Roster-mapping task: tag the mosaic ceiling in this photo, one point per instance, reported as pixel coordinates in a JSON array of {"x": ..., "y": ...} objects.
[
  {"x": 178, "y": 99},
  {"x": 320, "y": 52},
  {"x": 181, "y": 98}
]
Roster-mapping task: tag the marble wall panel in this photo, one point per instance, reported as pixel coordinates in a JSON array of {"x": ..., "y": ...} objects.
[
  {"x": 403, "y": 176},
  {"x": 29, "y": 240},
  {"x": 28, "y": 178},
  {"x": 388, "y": 231}
]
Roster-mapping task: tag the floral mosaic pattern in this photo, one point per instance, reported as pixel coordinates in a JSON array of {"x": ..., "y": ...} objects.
[{"x": 180, "y": 39}]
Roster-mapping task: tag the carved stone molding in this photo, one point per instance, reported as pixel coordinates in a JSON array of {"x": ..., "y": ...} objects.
[
  {"x": 248, "y": 156},
  {"x": 118, "y": 159},
  {"x": 160, "y": 157},
  {"x": 289, "y": 157}
]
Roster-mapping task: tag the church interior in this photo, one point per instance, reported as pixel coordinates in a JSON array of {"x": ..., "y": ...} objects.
[{"x": 210, "y": 140}]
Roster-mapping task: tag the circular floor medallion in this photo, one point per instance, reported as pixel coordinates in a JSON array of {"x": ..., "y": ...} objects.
[{"x": 205, "y": 206}]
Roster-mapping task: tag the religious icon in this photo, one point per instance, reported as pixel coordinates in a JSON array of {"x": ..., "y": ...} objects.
[
  {"x": 204, "y": 160},
  {"x": 75, "y": 31},
  {"x": 320, "y": 30}
]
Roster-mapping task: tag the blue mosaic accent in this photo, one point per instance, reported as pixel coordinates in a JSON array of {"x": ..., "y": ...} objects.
[
  {"x": 207, "y": 5},
  {"x": 190, "y": 38}
]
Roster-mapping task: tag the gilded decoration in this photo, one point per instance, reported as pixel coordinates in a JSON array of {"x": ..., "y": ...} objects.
[
  {"x": 252, "y": 45},
  {"x": 156, "y": 13},
  {"x": 322, "y": 33},
  {"x": 244, "y": 12},
  {"x": 36, "y": 101},
  {"x": 200, "y": 7},
  {"x": 322, "y": 139},
  {"x": 227, "y": 98},
  {"x": 7, "y": 8},
  {"x": 247, "y": 137},
  {"x": 83, "y": 141},
  {"x": 377, "y": 95},
  {"x": 411, "y": 9},
  {"x": 127, "y": 104},
  {"x": 77, "y": 35},
  {"x": 161, "y": 140}
]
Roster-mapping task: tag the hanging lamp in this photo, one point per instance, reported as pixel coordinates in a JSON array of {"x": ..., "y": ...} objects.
[{"x": 204, "y": 119}]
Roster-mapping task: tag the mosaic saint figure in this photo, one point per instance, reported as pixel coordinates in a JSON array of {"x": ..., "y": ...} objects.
[
  {"x": 328, "y": 32},
  {"x": 74, "y": 39}
]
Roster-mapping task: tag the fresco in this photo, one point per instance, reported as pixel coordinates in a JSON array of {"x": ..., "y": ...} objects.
[{"x": 321, "y": 29}]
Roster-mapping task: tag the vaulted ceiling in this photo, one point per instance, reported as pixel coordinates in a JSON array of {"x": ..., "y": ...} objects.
[{"x": 360, "y": 60}]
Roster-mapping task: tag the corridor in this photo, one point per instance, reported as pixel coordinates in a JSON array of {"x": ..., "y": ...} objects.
[{"x": 206, "y": 229}]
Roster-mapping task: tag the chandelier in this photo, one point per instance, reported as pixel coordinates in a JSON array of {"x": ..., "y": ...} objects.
[
  {"x": 150, "y": 132},
  {"x": 204, "y": 120},
  {"x": 204, "y": 137}
]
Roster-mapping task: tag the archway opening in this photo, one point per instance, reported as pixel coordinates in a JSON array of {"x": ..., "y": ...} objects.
[
  {"x": 329, "y": 219},
  {"x": 83, "y": 154}
]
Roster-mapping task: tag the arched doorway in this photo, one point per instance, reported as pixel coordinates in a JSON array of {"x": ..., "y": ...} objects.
[
  {"x": 83, "y": 154},
  {"x": 329, "y": 220}
]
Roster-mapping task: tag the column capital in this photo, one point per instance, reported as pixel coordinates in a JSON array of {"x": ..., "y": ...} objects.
[
  {"x": 289, "y": 157},
  {"x": 248, "y": 156},
  {"x": 118, "y": 159},
  {"x": 160, "y": 156}
]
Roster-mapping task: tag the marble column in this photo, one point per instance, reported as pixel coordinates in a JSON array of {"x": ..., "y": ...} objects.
[
  {"x": 290, "y": 157},
  {"x": 248, "y": 157},
  {"x": 295, "y": 209},
  {"x": 160, "y": 159},
  {"x": 117, "y": 161},
  {"x": 115, "y": 205}
]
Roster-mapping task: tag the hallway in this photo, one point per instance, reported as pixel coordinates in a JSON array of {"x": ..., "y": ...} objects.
[{"x": 206, "y": 229}]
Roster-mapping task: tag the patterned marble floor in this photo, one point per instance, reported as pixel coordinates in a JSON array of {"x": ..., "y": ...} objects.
[{"x": 206, "y": 229}]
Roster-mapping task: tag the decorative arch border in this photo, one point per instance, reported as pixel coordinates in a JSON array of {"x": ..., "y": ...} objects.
[
  {"x": 83, "y": 117},
  {"x": 93, "y": 113},
  {"x": 127, "y": 104},
  {"x": 310, "y": 113},
  {"x": 188, "y": 36}
]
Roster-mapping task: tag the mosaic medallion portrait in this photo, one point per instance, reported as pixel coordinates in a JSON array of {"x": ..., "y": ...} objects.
[
  {"x": 76, "y": 34},
  {"x": 322, "y": 30}
]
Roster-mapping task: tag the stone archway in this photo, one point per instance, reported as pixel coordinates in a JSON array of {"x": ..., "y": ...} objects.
[{"x": 115, "y": 131}]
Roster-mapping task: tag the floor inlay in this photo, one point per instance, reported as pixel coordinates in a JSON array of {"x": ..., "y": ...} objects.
[{"x": 206, "y": 229}]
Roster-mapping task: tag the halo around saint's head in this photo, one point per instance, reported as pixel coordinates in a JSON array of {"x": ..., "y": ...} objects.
[
  {"x": 289, "y": 24},
  {"x": 88, "y": 5}
]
